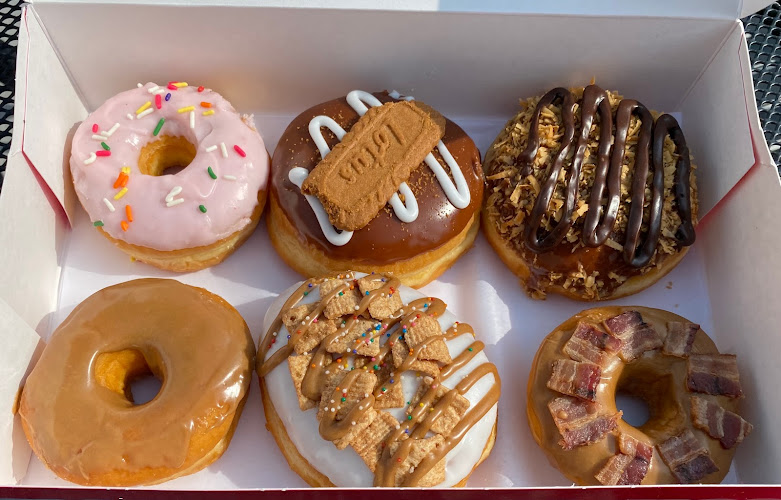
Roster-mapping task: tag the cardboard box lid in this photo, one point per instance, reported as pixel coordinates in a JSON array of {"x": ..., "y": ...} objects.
[{"x": 716, "y": 9}]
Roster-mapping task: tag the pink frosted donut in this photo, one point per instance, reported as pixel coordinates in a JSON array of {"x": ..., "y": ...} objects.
[{"x": 123, "y": 162}]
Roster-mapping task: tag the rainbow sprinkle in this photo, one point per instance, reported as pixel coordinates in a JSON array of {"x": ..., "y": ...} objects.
[
  {"x": 105, "y": 146},
  {"x": 168, "y": 96},
  {"x": 158, "y": 101},
  {"x": 144, "y": 107},
  {"x": 144, "y": 113},
  {"x": 121, "y": 181},
  {"x": 186, "y": 109},
  {"x": 98, "y": 223},
  {"x": 108, "y": 205},
  {"x": 112, "y": 129},
  {"x": 202, "y": 208},
  {"x": 208, "y": 113},
  {"x": 121, "y": 193},
  {"x": 158, "y": 127},
  {"x": 124, "y": 225},
  {"x": 201, "y": 88},
  {"x": 129, "y": 213},
  {"x": 211, "y": 173},
  {"x": 91, "y": 159},
  {"x": 240, "y": 151},
  {"x": 94, "y": 128},
  {"x": 102, "y": 153}
]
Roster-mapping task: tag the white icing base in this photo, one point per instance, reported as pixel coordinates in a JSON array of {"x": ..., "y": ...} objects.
[{"x": 344, "y": 467}]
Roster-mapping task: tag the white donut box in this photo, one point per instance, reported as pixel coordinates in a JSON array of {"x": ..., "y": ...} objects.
[{"x": 470, "y": 60}]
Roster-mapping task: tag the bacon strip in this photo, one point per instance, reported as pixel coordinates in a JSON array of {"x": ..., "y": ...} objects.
[
  {"x": 579, "y": 422},
  {"x": 680, "y": 338},
  {"x": 688, "y": 459},
  {"x": 589, "y": 343},
  {"x": 634, "y": 447},
  {"x": 636, "y": 335},
  {"x": 729, "y": 428},
  {"x": 630, "y": 465},
  {"x": 575, "y": 378},
  {"x": 715, "y": 374},
  {"x": 613, "y": 471}
]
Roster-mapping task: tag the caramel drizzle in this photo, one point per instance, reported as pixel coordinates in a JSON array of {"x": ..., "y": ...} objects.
[
  {"x": 650, "y": 144},
  {"x": 322, "y": 361}
]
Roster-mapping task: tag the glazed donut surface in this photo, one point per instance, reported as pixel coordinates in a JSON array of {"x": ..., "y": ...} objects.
[
  {"x": 651, "y": 369},
  {"x": 121, "y": 152},
  {"x": 385, "y": 240},
  {"x": 76, "y": 406}
]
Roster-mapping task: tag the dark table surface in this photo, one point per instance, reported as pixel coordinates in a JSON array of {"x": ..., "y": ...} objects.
[{"x": 763, "y": 31}]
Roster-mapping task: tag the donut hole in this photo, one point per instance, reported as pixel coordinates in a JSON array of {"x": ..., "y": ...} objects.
[
  {"x": 168, "y": 155},
  {"x": 135, "y": 377},
  {"x": 635, "y": 409},
  {"x": 646, "y": 394}
]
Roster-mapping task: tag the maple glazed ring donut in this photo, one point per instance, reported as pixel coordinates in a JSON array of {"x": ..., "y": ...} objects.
[
  {"x": 591, "y": 212},
  {"x": 692, "y": 392},
  {"x": 123, "y": 159},
  {"x": 400, "y": 193},
  {"x": 77, "y": 408},
  {"x": 367, "y": 382}
]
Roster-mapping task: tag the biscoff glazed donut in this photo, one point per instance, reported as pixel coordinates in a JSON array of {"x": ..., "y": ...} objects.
[
  {"x": 368, "y": 382},
  {"x": 691, "y": 390},
  {"x": 414, "y": 176},
  {"x": 121, "y": 160},
  {"x": 77, "y": 409}
]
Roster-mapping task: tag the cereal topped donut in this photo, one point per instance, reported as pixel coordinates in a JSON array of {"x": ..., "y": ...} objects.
[
  {"x": 172, "y": 175},
  {"x": 591, "y": 196},
  {"x": 368, "y": 382},
  {"x": 374, "y": 182}
]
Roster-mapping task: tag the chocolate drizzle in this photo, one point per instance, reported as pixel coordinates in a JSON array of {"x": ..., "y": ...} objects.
[
  {"x": 650, "y": 146},
  {"x": 423, "y": 416}
]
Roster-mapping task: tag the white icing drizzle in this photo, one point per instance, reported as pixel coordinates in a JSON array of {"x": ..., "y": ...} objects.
[
  {"x": 314, "y": 130},
  {"x": 406, "y": 211},
  {"x": 459, "y": 194},
  {"x": 297, "y": 176}
]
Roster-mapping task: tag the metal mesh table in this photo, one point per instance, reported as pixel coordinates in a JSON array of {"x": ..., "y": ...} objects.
[
  {"x": 10, "y": 12},
  {"x": 763, "y": 31}
]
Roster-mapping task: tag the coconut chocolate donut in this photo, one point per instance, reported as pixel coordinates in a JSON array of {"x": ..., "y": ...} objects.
[
  {"x": 590, "y": 195},
  {"x": 77, "y": 409},
  {"x": 367, "y": 382},
  {"x": 414, "y": 176},
  {"x": 692, "y": 392},
  {"x": 123, "y": 160}
]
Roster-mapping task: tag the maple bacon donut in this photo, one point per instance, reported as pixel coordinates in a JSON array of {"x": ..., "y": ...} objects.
[
  {"x": 692, "y": 392},
  {"x": 589, "y": 195},
  {"x": 77, "y": 408},
  {"x": 400, "y": 192},
  {"x": 123, "y": 160},
  {"x": 367, "y": 382}
]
